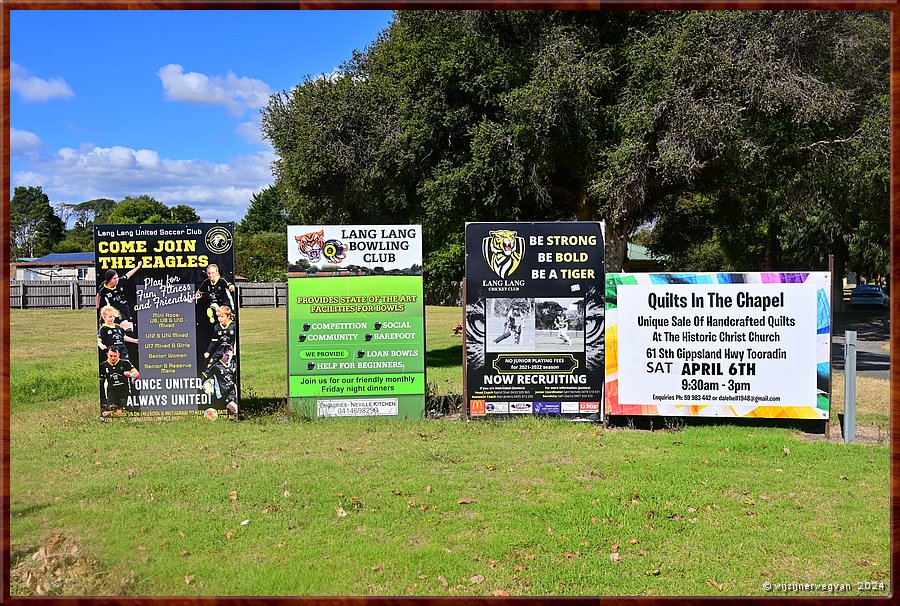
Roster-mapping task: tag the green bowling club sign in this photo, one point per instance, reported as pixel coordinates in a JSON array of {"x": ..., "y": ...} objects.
[{"x": 356, "y": 324}]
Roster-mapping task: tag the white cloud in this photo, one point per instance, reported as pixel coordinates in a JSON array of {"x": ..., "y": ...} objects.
[
  {"x": 147, "y": 158},
  {"x": 218, "y": 191},
  {"x": 30, "y": 179},
  {"x": 32, "y": 88},
  {"x": 22, "y": 141},
  {"x": 251, "y": 132},
  {"x": 238, "y": 94}
]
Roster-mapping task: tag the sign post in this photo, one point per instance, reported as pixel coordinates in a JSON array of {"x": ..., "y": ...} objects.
[{"x": 849, "y": 385}]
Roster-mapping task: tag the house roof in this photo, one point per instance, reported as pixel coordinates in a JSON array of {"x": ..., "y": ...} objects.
[
  {"x": 637, "y": 252},
  {"x": 63, "y": 258}
]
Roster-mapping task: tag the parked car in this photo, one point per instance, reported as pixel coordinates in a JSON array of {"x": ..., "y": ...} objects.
[{"x": 869, "y": 295}]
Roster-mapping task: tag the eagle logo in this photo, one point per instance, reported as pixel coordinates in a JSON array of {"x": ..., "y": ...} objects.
[{"x": 218, "y": 239}]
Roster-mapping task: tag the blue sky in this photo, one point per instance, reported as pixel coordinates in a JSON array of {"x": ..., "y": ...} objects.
[{"x": 165, "y": 103}]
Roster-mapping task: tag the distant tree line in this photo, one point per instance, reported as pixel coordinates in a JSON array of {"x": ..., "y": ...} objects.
[{"x": 37, "y": 228}]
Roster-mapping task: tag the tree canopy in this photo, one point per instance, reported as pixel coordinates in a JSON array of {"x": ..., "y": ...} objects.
[
  {"x": 745, "y": 138},
  {"x": 261, "y": 256},
  {"x": 37, "y": 228},
  {"x": 146, "y": 209},
  {"x": 34, "y": 227},
  {"x": 266, "y": 213}
]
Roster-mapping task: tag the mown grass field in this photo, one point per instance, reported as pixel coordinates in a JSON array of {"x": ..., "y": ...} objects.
[{"x": 431, "y": 507}]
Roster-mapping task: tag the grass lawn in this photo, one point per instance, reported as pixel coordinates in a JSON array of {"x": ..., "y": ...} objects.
[
  {"x": 275, "y": 506},
  {"x": 873, "y": 404},
  {"x": 444, "y": 370}
]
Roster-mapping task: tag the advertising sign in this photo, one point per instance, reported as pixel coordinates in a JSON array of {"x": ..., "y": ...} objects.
[
  {"x": 356, "y": 321},
  {"x": 534, "y": 319},
  {"x": 719, "y": 344},
  {"x": 167, "y": 339}
]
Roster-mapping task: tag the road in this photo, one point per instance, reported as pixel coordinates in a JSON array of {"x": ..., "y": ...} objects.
[{"x": 872, "y": 336}]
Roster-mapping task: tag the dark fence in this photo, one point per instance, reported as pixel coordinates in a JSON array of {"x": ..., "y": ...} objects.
[
  {"x": 262, "y": 294},
  {"x": 56, "y": 294},
  {"x": 50, "y": 294}
]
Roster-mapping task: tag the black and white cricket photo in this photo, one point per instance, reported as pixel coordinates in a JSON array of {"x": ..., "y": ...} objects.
[
  {"x": 510, "y": 325},
  {"x": 559, "y": 324}
]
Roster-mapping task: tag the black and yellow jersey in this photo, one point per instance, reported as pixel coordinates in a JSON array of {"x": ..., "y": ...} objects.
[
  {"x": 224, "y": 376},
  {"x": 224, "y": 336},
  {"x": 112, "y": 334},
  {"x": 117, "y": 298},
  {"x": 113, "y": 375},
  {"x": 218, "y": 292}
]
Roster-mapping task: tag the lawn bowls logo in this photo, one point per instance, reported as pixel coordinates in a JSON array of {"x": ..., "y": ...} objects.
[
  {"x": 218, "y": 240},
  {"x": 333, "y": 251},
  {"x": 503, "y": 251},
  {"x": 314, "y": 247}
]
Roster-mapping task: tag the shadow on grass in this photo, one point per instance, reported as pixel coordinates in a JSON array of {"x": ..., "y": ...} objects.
[
  {"x": 447, "y": 357},
  {"x": 444, "y": 405},
  {"x": 27, "y": 511},
  {"x": 437, "y": 406},
  {"x": 259, "y": 407},
  {"x": 21, "y": 553},
  {"x": 654, "y": 423}
]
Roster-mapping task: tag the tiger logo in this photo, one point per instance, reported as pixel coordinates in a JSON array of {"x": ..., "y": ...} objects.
[
  {"x": 311, "y": 244},
  {"x": 314, "y": 247},
  {"x": 503, "y": 251}
]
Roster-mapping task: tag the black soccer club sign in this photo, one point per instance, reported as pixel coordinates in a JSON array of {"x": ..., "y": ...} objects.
[{"x": 167, "y": 318}]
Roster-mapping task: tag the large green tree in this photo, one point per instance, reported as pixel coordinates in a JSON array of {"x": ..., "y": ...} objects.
[
  {"x": 80, "y": 237},
  {"x": 75, "y": 239},
  {"x": 146, "y": 209},
  {"x": 618, "y": 116},
  {"x": 262, "y": 256},
  {"x": 267, "y": 213},
  {"x": 806, "y": 185},
  {"x": 182, "y": 213},
  {"x": 34, "y": 227},
  {"x": 85, "y": 214},
  {"x": 260, "y": 251}
]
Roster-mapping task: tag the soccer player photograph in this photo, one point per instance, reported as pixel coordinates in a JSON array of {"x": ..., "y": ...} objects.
[
  {"x": 220, "y": 382},
  {"x": 217, "y": 289},
  {"x": 116, "y": 377},
  {"x": 224, "y": 335},
  {"x": 112, "y": 292},
  {"x": 111, "y": 335}
]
